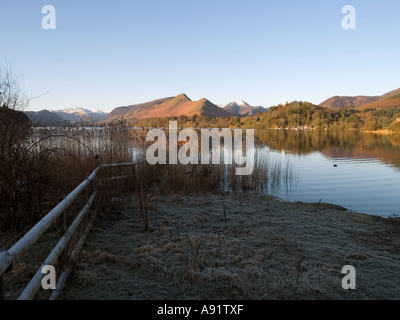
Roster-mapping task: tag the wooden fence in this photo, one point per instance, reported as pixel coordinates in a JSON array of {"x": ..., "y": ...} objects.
[{"x": 59, "y": 254}]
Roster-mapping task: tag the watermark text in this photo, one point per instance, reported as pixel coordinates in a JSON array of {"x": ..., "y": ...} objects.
[{"x": 188, "y": 153}]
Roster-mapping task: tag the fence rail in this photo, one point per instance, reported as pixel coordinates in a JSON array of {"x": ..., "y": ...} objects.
[{"x": 10, "y": 257}]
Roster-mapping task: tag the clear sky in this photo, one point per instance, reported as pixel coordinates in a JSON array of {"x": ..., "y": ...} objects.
[{"x": 105, "y": 54}]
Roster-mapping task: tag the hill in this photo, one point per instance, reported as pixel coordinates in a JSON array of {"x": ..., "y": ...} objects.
[
  {"x": 338, "y": 102},
  {"x": 388, "y": 103},
  {"x": 180, "y": 105},
  {"x": 297, "y": 114},
  {"x": 14, "y": 131},
  {"x": 391, "y": 94},
  {"x": 380, "y": 115},
  {"x": 44, "y": 118},
  {"x": 242, "y": 109},
  {"x": 121, "y": 113},
  {"x": 10, "y": 116}
]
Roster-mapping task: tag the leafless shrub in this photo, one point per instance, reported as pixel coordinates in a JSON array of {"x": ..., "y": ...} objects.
[{"x": 12, "y": 96}]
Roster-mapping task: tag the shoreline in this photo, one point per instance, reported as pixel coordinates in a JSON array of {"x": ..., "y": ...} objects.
[{"x": 381, "y": 131}]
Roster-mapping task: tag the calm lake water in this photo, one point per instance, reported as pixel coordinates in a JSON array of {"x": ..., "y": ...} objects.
[{"x": 359, "y": 171}]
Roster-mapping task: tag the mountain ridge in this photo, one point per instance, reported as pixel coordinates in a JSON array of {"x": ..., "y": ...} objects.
[
  {"x": 180, "y": 105},
  {"x": 337, "y": 102},
  {"x": 120, "y": 113}
]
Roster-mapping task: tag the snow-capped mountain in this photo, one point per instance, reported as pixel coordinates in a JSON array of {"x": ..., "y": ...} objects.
[
  {"x": 80, "y": 115},
  {"x": 240, "y": 103},
  {"x": 242, "y": 108}
]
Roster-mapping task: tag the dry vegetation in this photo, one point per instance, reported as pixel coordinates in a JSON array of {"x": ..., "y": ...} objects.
[
  {"x": 38, "y": 168},
  {"x": 236, "y": 246}
]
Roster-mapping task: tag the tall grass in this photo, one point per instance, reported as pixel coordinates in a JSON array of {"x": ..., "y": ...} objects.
[{"x": 270, "y": 173}]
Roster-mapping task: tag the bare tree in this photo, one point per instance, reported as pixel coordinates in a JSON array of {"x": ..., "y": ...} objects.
[
  {"x": 11, "y": 94},
  {"x": 14, "y": 133}
]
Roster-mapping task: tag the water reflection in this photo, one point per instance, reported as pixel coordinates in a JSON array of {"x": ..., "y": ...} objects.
[
  {"x": 272, "y": 174},
  {"x": 360, "y": 171},
  {"x": 345, "y": 144},
  {"x": 357, "y": 170}
]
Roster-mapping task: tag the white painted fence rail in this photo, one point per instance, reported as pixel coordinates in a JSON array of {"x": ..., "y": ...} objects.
[{"x": 11, "y": 256}]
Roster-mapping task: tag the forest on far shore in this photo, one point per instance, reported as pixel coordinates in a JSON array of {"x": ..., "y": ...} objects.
[{"x": 296, "y": 115}]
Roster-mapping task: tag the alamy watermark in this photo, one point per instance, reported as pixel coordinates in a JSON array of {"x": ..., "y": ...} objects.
[
  {"x": 188, "y": 153},
  {"x": 349, "y": 280},
  {"x": 349, "y": 21},
  {"x": 49, "y": 20},
  {"x": 49, "y": 278}
]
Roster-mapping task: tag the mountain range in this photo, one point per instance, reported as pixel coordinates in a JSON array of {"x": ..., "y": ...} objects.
[
  {"x": 182, "y": 105},
  {"x": 68, "y": 115},
  {"x": 337, "y": 102}
]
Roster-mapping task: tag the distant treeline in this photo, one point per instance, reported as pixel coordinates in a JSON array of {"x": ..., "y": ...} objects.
[{"x": 298, "y": 115}]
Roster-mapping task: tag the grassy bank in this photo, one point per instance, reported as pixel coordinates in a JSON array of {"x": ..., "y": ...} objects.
[{"x": 237, "y": 246}]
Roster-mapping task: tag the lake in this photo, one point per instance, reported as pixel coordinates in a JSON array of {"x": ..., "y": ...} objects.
[{"x": 359, "y": 171}]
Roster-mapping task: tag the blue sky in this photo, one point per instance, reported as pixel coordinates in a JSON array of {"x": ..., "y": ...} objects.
[{"x": 105, "y": 54}]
